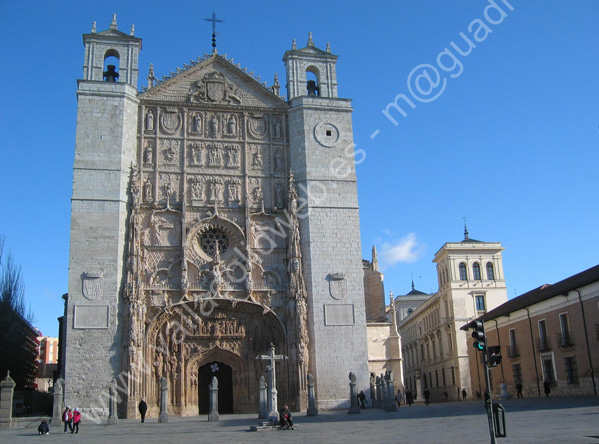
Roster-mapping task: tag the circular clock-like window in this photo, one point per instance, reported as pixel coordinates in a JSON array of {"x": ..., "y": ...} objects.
[
  {"x": 326, "y": 134},
  {"x": 210, "y": 239}
]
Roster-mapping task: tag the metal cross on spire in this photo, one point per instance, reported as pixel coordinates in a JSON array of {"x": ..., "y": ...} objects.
[{"x": 214, "y": 21}]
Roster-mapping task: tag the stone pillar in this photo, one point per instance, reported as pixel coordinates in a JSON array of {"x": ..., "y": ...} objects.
[
  {"x": 113, "y": 418},
  {"x": 163, "y": 416},
  {"x": 7, "y": 388},
  {"x": 57, "y": 406},
  {"x": 263, "y": 408},
  {"x": 213, "y": 413},
  {"x": 390, "y": 405},
  {"x": 379, "y": 394},
  {"x": 354, "y": 407},
  {"x": 372, "y": 390},
  {"x": 312, "y": 409}
]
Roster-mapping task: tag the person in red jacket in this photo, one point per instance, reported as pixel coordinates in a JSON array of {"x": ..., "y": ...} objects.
[
  {"x": 67, "y": 418},
  {"x": 76, "y": 420}
]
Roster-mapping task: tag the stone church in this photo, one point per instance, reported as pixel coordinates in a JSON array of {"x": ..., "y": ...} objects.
[{"x": 212, "y": 217}]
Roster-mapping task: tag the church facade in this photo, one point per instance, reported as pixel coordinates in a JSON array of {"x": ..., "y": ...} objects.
[{"x": 210, "y": 220}]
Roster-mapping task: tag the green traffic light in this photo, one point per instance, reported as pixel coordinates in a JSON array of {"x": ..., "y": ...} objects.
[{"x": 479, "y": 346}]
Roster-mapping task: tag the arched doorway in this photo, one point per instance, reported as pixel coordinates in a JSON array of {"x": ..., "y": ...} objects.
[{"x": 224, "y": 374}]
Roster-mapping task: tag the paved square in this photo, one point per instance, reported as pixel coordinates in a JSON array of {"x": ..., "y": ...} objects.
[{"x": 534, "y": 420}]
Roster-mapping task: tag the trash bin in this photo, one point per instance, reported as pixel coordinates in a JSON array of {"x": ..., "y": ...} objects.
[{"x": 499, "y": 420}]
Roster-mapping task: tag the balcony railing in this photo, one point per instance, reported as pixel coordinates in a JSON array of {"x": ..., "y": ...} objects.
[
  {"x": 543, "y": 344},
  {"x": 564, "y": 339},
  {"x": 512, "y": 351}
]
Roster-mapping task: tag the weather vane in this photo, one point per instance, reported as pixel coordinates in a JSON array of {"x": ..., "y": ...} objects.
[{"x": 214, "y": 21}]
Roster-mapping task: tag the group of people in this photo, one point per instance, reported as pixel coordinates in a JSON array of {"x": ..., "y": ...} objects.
[{"x": 71, "y": 419}]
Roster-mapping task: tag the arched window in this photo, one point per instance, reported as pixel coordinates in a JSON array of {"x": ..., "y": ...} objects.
[
  {"x": 490, "y": 271},
  {"x": 111, "y": 66},
  {"x": 312, "y": 81},
  {"x": 476, "y": 271},
  {"x": 463, "y": 272},
  {"x": 410, "y": 311}
]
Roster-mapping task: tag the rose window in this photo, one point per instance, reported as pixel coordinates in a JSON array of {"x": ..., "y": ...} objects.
[{"x": 211, "y": 238}]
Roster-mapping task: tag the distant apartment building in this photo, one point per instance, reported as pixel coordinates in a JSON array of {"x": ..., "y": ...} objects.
[
  {"x": 549, "y": 334},
  {"x": 434, "y": 349},
  {"x": 47, "y": 362}
]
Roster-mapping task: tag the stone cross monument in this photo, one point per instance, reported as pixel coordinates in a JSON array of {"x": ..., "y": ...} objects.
[{"x": 272, "y": 382}]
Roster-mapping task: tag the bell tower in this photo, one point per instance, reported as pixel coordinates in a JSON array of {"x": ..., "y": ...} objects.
[
  {"x": 105, "y": 147},
  {"x": 322, "y": 159}
]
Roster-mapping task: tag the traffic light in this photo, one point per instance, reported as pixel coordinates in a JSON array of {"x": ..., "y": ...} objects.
[
  {"x": 479, "y": 334},
  {"x": 494, "y": 355}
]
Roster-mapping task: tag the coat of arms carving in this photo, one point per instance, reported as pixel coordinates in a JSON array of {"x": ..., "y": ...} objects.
[
  {"x": 337, "y": 285},
  {"x": 214, "y": 88},
  {"x": 93, "y": 285}
]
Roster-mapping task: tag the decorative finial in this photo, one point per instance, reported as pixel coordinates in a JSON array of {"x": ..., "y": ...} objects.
[
  {"x": 465, "y": 229},
  {"x": 375, "y": 260},
  {"x": 293, "y": 45},
  {"x": 113, "y": 24},
  {"x": 214, "y": 21},
  {"x": 310, "y": 41},
  {"x": 276, "y": 88},
  {"x": 132, "y": 33},
  {"x": 151, "y": 78},
  {"x": 329, "y": 47},
  {"x": 94, "y": 28}
]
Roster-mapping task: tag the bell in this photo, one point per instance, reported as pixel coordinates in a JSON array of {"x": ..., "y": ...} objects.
[
  {"x": 110, "y": 75},
  {"x": 312, "y": 88}
]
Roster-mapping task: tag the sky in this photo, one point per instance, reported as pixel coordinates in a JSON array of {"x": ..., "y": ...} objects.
[{"x": 500, "y": 122}]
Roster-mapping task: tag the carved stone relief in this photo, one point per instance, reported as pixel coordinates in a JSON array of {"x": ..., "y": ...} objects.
[
  {"x": 214, "y": 88},
  {"x": 170, "y": 151},
  {"x": 195, "y": 153},
  {"x": 149, "y": 153},
  {"x": 170, "y": 121},
  {"x": 258, "y": 125}
]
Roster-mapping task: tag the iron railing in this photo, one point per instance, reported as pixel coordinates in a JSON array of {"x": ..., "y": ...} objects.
[
  {"x": 512, "y": 351},
  {"x": 31, "y": 403},
  {"x": 543, "y": 344},
  {"x": 564, "y": 339}
]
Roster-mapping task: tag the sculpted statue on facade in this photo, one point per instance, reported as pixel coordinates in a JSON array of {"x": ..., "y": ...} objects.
[
  {"x": 232, "y": 125},
  {"x": 150, "y": 120},
  {"x": 148, "y": 197},
  {"x": 149, "y": 153}
]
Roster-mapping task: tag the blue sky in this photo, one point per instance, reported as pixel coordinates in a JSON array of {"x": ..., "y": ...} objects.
[{"x": 508, "y": 137}]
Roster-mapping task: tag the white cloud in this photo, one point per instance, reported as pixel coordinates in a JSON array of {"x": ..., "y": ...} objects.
[{"x": 408, "y": 249}]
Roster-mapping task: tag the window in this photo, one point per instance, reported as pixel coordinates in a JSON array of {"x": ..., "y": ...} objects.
[
  {"x": 480, "y": 303},
  {"x": 453, "y": 374},
  {"x": 543, "y": 343},
  {"x": 564, "y": 337},
  {"x": 513, "y": 347},
  {"x": 476, "y": 271},
  {"x": 517, "y": 372},
  {"x": 571, "y": 369},
  {"x": 444, "y": 381},
  {"x": 437, "y": 377},
  {"x": 463, "y": 272},
  {"x": 490, "y": 271},
  {"x": 548, "y": 373},
  {"x": 410, "y": 311}
]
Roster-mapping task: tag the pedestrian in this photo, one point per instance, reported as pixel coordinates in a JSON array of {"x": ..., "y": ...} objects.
[
  {"x": 409, "y": 398},
  {"x": 143, "y": 408},
  {"x": 398, "y": 398},
  {"x": 43, "y": 428},
  {"x": 67, "y": 418},
  {"x": 519, "y": 389},
  {"x": 445, "y": 396},
  {"x": 464, "y": 394},
  {"x": 427, "y": 396},
  {"x": 76, "y": 420},
  {"x": 547, "y": 387},
  {"x": 362, "y": 399},
  {"x": 285, "y": 418}
]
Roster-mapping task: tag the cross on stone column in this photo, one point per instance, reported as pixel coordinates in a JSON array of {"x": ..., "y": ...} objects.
[
  {"x": 214, "y": 21},
  {"x": 272, "y": 384}
]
